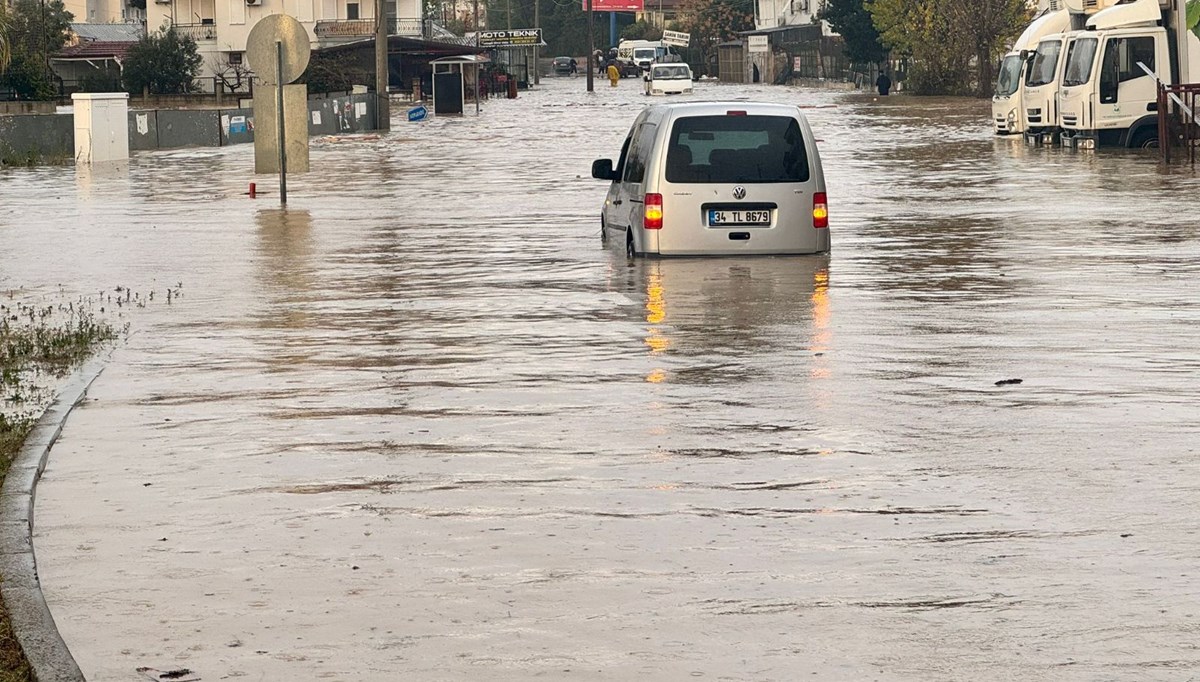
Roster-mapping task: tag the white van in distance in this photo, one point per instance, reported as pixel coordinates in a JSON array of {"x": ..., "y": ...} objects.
[
  {"x": 669, "y": 79},
  {"x": 717, "y": 178}
]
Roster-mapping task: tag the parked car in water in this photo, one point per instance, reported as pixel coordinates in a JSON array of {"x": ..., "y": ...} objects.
[
  {"x": 716, "y": 178},
  {"x": 668, "y": 79},
  {"x": 627, "y": 68},
  {"x": 562, "y": 66}
]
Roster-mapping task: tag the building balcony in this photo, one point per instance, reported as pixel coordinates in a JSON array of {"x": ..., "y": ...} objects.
[
  {"x": 365, "y": 28},
  {"x": 201, "y": 32}
]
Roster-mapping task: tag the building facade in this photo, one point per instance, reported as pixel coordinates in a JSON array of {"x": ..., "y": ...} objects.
[{"x": 221, "y": 27}]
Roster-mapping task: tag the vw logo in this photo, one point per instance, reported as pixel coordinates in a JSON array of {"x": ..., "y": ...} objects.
[{"x": 739, "y": 192}]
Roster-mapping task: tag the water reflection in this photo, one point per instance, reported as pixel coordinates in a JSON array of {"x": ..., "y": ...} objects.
[
  {"x": 285, "y": 252},
  {"x": 722, "y": 310}
]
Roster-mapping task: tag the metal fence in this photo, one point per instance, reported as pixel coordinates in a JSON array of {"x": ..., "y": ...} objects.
[{"x": 208, "y": 86}]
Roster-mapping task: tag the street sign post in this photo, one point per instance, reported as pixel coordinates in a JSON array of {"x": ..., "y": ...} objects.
[{"x": 278, "y": 50}]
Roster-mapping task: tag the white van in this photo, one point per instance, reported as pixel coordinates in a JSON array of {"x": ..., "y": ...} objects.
[
  {"x": 668, "y": 79},
  {"x": 717, "y": 178}
]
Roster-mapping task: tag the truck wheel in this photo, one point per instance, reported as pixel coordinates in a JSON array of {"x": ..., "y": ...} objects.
[
  {"x": 630, "y": 250},
  {"x": 603, "y": 231},
  {"x": 1145, "y": 138}
]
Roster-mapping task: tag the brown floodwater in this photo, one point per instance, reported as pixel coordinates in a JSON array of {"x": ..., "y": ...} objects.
[{"x": 421, "y": 424}]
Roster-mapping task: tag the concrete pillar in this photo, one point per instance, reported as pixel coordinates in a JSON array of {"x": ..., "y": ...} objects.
[{"x": 101, "y": 127}]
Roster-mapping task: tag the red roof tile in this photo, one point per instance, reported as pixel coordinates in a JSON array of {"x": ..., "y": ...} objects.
[{"x": 95, "y": 49}]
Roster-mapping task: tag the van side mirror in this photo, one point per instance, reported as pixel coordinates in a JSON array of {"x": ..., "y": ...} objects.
[
  {"x": 1026, "y": 55},
  {"x": 602, "y": 169}
]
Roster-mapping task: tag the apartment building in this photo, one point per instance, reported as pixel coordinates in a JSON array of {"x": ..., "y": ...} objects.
[{"x": 221, "y": 27}]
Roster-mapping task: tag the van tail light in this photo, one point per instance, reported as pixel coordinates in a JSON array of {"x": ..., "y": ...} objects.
[
  {"x": 820, "y": 210},
  {"x": 652, "y": 220}
]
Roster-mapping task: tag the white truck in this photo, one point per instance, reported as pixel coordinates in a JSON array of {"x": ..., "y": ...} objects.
[
  {"x": 642, "y": 52},
  {"x": 1104, "y": 97},
  {"x": 1008, "y": 103}
]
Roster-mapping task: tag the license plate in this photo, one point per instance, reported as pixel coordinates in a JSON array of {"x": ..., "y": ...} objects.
[{"x": 721, "y": 218}]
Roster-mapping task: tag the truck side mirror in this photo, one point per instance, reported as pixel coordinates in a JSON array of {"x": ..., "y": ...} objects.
[
  {"x": 602, "y": 169},
  {"x": 1026, "y": 55}
]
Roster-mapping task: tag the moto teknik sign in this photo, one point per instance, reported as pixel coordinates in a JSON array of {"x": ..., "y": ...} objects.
[
  {"x": 514, "y": 37},
  {"x": 614, "y": 5}
]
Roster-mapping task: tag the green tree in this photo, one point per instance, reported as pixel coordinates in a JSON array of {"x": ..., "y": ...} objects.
[
  {"x": 954, "y": 45},
  {"x": 163, "y": 63},
  {"x": 5, "y": 45},
  {"x": 1193, "y": 16},
  {"x": 711, "y": 22},
  {"x": 641, "y": 30},
  {"x": 32, "y": 33},
  {"x": 851, "y": 20}
]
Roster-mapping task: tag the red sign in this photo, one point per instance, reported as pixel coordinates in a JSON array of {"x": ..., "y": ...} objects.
[{"x": 614, "y": 5}]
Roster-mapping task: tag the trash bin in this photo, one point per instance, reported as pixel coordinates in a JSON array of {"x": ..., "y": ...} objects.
[{"x": 512, "y": 88}]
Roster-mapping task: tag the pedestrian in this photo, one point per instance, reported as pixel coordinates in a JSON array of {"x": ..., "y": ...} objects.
[
  {"x": 574, "y": 66},
  {"x": 614, "y": 74},
  {"x": 599, "y": 58},
  {"x": 883, "y": 83}
]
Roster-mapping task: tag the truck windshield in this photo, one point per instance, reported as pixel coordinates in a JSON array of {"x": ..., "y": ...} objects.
[
  {"x": 1080, "y": 56},
  {"x": 671, "y": 73},
  {"x": 1045, "y": 62},
  {"x": 1010, "y": 75},
  {"x": 732, "y": 149}
]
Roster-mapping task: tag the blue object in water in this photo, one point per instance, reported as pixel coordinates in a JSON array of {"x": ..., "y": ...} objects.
[{"x": 418, "y": 113}]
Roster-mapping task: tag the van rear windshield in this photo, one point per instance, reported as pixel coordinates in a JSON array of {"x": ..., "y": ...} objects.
[{"x": 709, "y": 149}]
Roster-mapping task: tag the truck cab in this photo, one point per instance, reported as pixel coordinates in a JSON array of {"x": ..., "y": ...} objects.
[
  {"x": 642, "y": 52},
  {"x": 1007, "y": 102},
  {"x": 1040, "y": 90},
  {"x": 1105, "y": 98}
]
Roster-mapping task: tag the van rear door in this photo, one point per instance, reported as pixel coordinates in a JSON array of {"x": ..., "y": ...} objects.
[{"x": 740, "y": 182}]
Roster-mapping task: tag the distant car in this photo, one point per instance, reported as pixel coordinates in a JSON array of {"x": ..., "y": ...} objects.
[
  {"x": 562, "y": 65},
  {"x": 627, "y": 68},
  {"x": 668, "y": 79}
]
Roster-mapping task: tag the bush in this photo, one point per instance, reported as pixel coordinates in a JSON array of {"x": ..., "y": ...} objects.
[{"x": 164, "y": 63}]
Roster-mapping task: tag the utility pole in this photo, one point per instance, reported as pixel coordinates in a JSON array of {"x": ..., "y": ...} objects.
[
  {"x": 383, "y": 112},
  {"x": 592, "y": 66},
  {"x": 537, "y": 22}
]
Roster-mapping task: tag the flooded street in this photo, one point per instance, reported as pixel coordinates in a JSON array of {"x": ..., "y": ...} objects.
[{"x": 423, "y": 425}]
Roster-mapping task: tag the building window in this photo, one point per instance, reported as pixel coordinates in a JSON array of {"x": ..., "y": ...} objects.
[
  {"x": 235, "y": 58},
  {"x": 352, "y": 10}
]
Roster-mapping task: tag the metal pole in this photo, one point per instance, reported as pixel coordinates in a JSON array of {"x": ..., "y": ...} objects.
[
  {"x": 537, "y": 22},
  {"x": 279, "y": 122},
  {"x": 591, "y": 65},
  {"x": 477, "y": 88},
  {"x": 383, "y": 112}
]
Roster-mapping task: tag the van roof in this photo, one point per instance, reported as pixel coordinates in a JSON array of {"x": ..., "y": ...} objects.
[{"x": 720, "y": 108}]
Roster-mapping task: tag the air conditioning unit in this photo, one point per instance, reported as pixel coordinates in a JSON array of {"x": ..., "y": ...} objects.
[
  {"x": 163, "y": 2},
  {"x": 253, "y": 2}
]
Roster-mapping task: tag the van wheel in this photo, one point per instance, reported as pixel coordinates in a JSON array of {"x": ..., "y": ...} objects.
[
  {"x": 1145, "y": 138},
  {"x": 630, "y": 251},
  {"x": 603, "y": 231}
]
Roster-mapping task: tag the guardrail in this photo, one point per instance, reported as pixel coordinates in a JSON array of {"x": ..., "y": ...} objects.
[
  {"x": 365, "y": 28},
  {"x": 197, "y": 32},
  {"x": 1185, "y": 129}
]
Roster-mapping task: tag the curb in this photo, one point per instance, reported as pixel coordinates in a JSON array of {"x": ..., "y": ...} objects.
[{"x": 32, "y": 622}]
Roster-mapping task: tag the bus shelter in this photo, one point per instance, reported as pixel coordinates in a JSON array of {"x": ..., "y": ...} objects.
[{"x": 450, "y": 78}]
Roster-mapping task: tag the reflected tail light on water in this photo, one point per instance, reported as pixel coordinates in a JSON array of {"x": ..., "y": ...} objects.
[
  {"x": 653, "y": 217},
  {"x": 820, "y": 210}
]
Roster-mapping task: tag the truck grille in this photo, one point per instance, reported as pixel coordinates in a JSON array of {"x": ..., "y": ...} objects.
[
  {"x": 1034, "y": 115},
  {"x": 1070, "y": 119}
]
